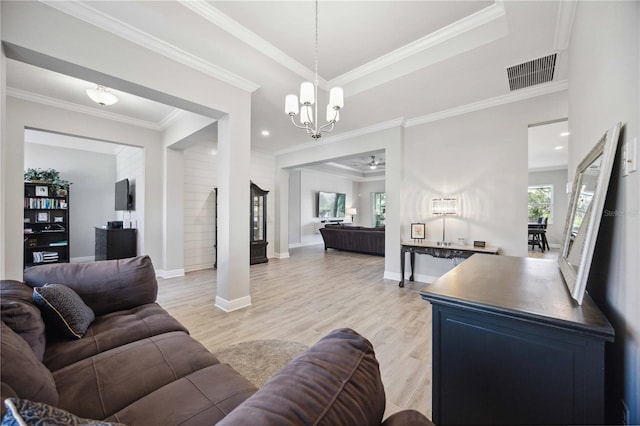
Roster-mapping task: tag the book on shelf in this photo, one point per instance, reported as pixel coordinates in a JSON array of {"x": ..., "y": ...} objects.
[
  {"x": 58, "y": 244},
  {"x": 45, "y": 256}
]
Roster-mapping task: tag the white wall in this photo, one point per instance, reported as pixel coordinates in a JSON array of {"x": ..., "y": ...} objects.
[
  {"x": 130, "y": 165},
  {"x": 22, "y": 114},
  {"x": 365, "y": 201},
  {"x": 481, "y": 159},
  {"x": 310, "y": 184},
  {"x": 200, "y": 179},
  {"x": 125, "y": 65},
  {"x": 199, "y": 206},
  {"x": 3, "y": 119},
  {"x": 557, "y": 178},
  {"x": 295, "y": 202},
  {"x": 91, "y": 194},
  {"x": 604, "y": 89}
]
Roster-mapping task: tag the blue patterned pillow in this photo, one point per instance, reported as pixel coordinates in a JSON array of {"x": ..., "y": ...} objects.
[
  {"x": 22, "y": 412},
  {"x": 63, "y": 309}
]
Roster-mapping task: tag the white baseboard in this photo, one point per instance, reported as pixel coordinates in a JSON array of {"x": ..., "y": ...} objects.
[
  {"x": 84, "y": 259},
  {"x": 233, "y": 305},
  {"x": 554, "y": 246},
  {"x": 281, "y": 255},
  {"x": 310, "y": 243},
  {"x": 172, "y": 273}
]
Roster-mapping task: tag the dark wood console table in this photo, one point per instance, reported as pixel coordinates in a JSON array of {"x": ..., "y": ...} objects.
[
  {"x": 510, "y": 346},
  {"x": 433, "y": 249}
]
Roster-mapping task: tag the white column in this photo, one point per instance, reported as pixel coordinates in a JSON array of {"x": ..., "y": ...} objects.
[
  {"x": 234, "y": 135},
  {"x": 282, "y": 214}
]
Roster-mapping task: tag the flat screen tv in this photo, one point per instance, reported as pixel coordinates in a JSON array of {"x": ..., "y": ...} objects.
[
  {"x": 123, "y": 196},
  {"x": 331, "y": 205}
]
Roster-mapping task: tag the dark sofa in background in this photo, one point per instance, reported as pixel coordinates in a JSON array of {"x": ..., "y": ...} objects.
[
  {"x": 137, "y": 365},
  {"x": 354, "y": 238}
]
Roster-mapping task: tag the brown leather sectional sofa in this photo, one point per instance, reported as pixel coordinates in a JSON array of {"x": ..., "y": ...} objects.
[
  {"x": 138, "y": 365},
  {"x": 354, "y": 238}
]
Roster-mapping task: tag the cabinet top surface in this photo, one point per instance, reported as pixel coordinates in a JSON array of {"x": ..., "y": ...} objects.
[{"x": 517, "y": 286}]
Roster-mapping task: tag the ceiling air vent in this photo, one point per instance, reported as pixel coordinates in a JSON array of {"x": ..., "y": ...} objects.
[{"x": 530, "y": 73}]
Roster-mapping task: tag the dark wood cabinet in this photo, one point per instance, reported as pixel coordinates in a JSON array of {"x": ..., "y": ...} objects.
[
  {"x": 46, "y": 224},
  {"x": 510, "y": 346},
  {"x": 115, "y": 243},
  {"x": 258, "y": 225}
]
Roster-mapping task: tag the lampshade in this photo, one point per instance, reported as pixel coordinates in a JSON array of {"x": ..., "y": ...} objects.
[
  {"x": 351, "y": 211},
  {"x": 336, "y": 98},
  {"x": 306, "y": 114},
  {"x": 332, "y": 114},
  {"x": 291, "y": 105},
  {"x": 307, "y": 95},
  {"x": 444, "y": 206},
  {"x": 102, "y": 96}
]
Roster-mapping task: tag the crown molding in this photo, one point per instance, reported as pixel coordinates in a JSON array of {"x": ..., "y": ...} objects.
[
  {"x": 171, "y": 118},
  {"x": 456, "y": 29},
  {"x": 398, "y": 122},
  {"x": 57, "y": 103},
  {"x": 121, "y": 29},
  {"x": 242, "y": 33},
  {"x": 531, "y": 92}
]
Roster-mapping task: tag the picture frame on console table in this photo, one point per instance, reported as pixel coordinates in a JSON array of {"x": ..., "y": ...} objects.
[{"x": 418, "y": 231}]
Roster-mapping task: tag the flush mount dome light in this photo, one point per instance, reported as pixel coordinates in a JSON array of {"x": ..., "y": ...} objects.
[{"x": 101, "y": 95}]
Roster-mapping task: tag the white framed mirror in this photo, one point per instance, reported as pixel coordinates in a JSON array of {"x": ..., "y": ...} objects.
[{"x": 588, "y": 194}]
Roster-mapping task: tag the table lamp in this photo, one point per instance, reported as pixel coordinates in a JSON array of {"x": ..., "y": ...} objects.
[
  {"x": 444, "y": 207},
  {"x": 352, "y": 211}
]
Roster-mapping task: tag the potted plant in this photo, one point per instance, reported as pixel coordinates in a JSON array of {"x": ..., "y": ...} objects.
[{"x": 50, "y": 176}]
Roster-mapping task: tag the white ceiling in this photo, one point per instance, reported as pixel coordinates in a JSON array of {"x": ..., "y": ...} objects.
[
  {"x": 548, "y": 146},
  {"x": 409, "y": 60}
]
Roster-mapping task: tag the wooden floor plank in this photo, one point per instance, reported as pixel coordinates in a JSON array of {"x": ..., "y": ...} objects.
[{"x": 304, "y": 297}]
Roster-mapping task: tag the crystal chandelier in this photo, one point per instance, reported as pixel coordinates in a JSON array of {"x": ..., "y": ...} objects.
[{"x": 309, "y": 97}]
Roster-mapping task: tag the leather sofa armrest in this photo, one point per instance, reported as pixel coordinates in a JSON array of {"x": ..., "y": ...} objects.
[
  {"x": 335, "y": 382},
  {"x": 105, "y": 286},
  {"x": 407, "y": 418}
]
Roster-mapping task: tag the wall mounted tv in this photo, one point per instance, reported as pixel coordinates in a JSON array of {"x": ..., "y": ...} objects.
[
  {"x": 331, "y": 205},
  {"x": 124, "y": 198}
]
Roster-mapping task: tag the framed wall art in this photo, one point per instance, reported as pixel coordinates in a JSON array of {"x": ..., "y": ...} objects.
[{"x": 418, "y": 231}]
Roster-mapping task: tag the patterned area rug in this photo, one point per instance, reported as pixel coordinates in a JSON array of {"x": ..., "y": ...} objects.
[{"x": 259, "y": 360}]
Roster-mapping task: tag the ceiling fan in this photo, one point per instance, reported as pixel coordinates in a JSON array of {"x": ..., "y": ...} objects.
[{"x": 373, "y": 164}]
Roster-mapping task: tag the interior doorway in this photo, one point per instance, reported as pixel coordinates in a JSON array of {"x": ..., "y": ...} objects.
[{"x": 548, "y": 145}]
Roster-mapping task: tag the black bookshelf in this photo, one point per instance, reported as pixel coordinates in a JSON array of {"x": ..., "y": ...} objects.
[{"x": 46, "y": 224}]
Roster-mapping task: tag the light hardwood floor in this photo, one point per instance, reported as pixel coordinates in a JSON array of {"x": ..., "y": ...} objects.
[{"x": 304, "y": 297}]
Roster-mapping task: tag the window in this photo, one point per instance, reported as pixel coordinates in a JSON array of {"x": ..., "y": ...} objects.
[{"x": 540, "y": 202}]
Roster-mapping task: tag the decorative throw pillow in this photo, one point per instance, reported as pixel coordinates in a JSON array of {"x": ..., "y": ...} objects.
[
  {"x": 63, "y": 309},
  {"x": 24, "y": 412}
]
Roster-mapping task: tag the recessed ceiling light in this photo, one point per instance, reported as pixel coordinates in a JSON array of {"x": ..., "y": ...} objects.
[
  {"x": 265, "y": 133},
  {"x": 565, "y": 133},
  {"x": 213, "y": 152},
  {"x": 559, "y": 147}
]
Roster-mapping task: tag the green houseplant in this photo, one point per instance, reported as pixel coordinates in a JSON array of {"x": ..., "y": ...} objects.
[{"x": 50, "y": 176}]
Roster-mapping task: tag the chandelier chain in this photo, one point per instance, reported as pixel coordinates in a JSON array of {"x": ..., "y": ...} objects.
[{"x": 316, "y": 47}]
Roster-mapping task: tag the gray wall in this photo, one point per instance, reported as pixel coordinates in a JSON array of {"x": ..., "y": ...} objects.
[
  {"x": 91, "y": 195},
  {"x": 604, "y": 75},
  {"x": 557, "y": 178}
]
